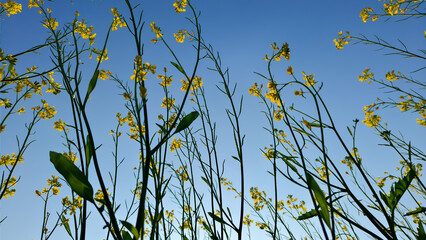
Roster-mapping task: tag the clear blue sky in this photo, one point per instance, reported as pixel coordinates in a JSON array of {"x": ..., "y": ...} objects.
[{"x": 242, "y": 32}]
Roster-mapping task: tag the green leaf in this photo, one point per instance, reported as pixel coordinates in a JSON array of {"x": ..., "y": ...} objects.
[
  {"x": 385, "y": 199},
  {"x": 416, "y": 211},
  {"x": 307, "y": 215},
  {"x": 178, "y": 67},
  {"x": 89, "y": 149},
  {"x": 287, "y": 160},
  {"x": 207, "y": 227},
  {"x": 402, "y": 185},
  {"x": 125, "y": 235},
  {"x": 421, "y": 235},
  {"x": 131, "y": 228},
  {"x": 163, "y": 129},
  {"x": 205, "y": 180},
  {"x": 398, "y": 189},
  {"x": 92, "y": 85},
  {"x": 11, "y": 65},
  {"x": 186, "y": 121},
  {"x": 74, "y": 177},
  {"x": 216, "y": 218},
  {"x": 66, "y": 225},
  {"x": 350, "y": 132},
  {"x": 320, "y": 197}
]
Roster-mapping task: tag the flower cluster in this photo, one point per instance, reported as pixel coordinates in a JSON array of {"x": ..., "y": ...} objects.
[
  {"x": 180, "y": 36},
  {"x": 99, "y": 196},
  {"x": 272, "y": 93},
  {"x": 54, "y": 186},
  {"x": 11, "y": 7},
  {"x": 140, "y": 70},
  {"x": 197, "y": 82},
  {"x": 73, "y": 205},
  {"x": 310, "y": 81},
  {"x": 175, "y": 144},
  {"x": 45, "y": 112},
  {"x": 156, "y": 30},
  {"x": 9, "y": 192},
  {"x": 10, "y": 159},
  {"x": 165, "y": 81},
  {"x": 182, "y": 173},
  {"x": 118, "y": 20},
  {"x": 180, "y": 5},
  {"x": 371, "y": 119},
  {"x": 366, "y": 76},
  {"x": 283, "y": 52},
  {"x": 341, "y": 40},
  {"x": 258, "y": 198},
  {"x": 255, "y": 90},
  {"x": 84, "y": 31}
]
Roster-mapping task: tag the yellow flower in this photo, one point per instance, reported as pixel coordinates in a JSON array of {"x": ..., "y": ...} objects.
[
  {"x": 168, "y": 103},
  {"x": 104, "y": 74},
  {"x": 47, "y": 111},
  {"x": 175, "y": 144},
  {"x": 366, "y": 76},
  {"x": 180, "y": 36},
  {"x": 21, "y": 110},
  {"x": 99, "y": 196},
  {"x": 33, "y": 3},
  {"x": 59, "y": 125},
  {"x": 11, "y": 7},
  {"x": 156, "y": 30},
  {"x": 310, "y": 81},
  {"x": 50, "y": 23},
  {"x": 391, "y": 76},
  {"x": 290, "y": 70},
  {"x": 298, "y": 93},
  {"x": 196, "y": 83},
  {"x": 365, "y": 14},
  {"x": 84, "y": 31},
  {"x": 273, "y": 95},
  {"x": 341, "y": 40},
  {"x": 118, "y": 20},
  {"x": 180, "y": 5},
  {"x": 166, "y": 81},
  {"x": 102, "y": 56},
  {"x": 254, "y": 90}
]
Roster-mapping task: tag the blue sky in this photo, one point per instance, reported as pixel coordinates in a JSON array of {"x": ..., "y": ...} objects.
[{"x": 242, "y": 32}]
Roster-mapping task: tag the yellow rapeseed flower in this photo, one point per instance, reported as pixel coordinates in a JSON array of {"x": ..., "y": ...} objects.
[{"x": 11, "y": 7}]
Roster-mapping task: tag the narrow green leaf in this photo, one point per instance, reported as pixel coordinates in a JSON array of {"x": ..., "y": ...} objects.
[
  {"x": 177, "y": 67},
  {"x": 350, "y": 132},
  {"x": 89, "y": 150},
  {"x": 421, "y": 235},
  {"x": 11, "y": 65},
  {"x": 205, "y": 180},
  {"x": 287, "y": 160},
  {"x": 320, "y": 197},
  {"x": 92, "y": 85},
  {"x": 307, "y": 215},
  {"x": 66, "y": 225},
  {"x": 216, "y": 218},
  {"x": 131, "y": 228},
  {"x": 186, "y": 121},
  {"x": 163, "y": 129},
  {"x": 416, "y": 211},
  {"x": 207, "y": 227},
  {"x": 74, "y": 177}
]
